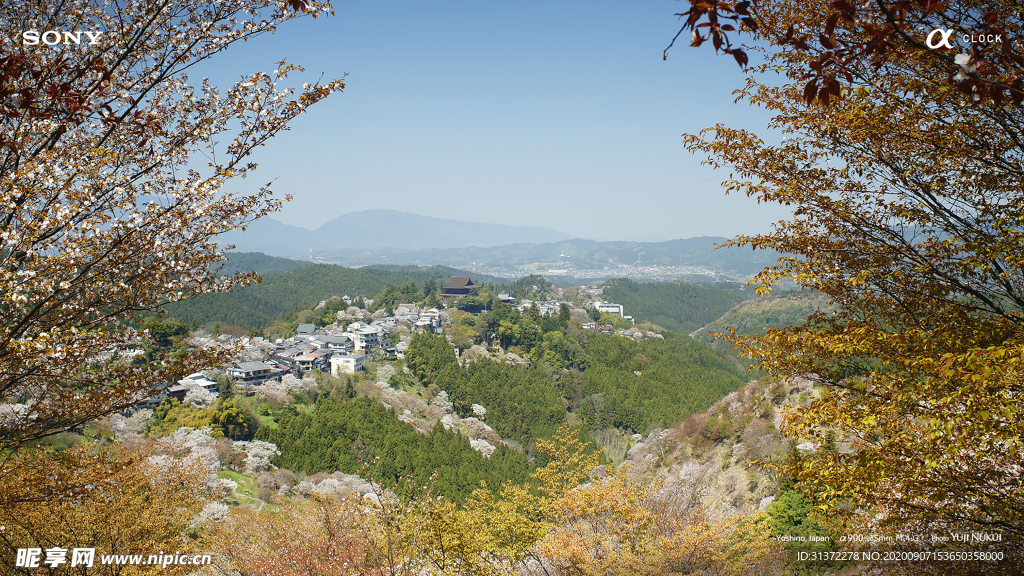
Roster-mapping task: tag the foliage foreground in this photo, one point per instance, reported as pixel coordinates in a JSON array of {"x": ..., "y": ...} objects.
[
  {"x": 124, "y": 503},
  {"x": 608, "y": 525},
  {"x": 104, "y": 212},
  {"x": 569, "y": 518},
  {"x": 903, "y": 162}
]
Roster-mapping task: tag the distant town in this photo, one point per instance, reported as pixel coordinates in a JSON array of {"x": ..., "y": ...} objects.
[{"x": 568, "y": 270}]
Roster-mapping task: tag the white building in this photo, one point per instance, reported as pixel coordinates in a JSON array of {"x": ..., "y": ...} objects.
[
  {"x": 429, "y": 320},
  {"x": 346, "y": 364},
  {"x": 609, "y": 308},
  {"x": 199, "y": 379},
  {"x": 365, "y": 338}
]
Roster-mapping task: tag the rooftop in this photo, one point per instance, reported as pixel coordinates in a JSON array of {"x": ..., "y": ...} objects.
[
  {"x": 459, "y": 283},
  {"x": 250, "y": 366}
]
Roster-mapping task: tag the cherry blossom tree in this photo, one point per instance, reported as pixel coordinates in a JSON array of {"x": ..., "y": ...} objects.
[{"x": 113, "y": 166}]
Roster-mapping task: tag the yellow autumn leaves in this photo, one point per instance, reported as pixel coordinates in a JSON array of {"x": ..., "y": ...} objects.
[
  {"x": 608, "y": 525},
  {"x": 123, "y": 504},
  {"x": 906, "y": 197}
]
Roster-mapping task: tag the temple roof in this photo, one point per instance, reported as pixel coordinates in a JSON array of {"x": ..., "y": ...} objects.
[{"x": 457, "y": 283}]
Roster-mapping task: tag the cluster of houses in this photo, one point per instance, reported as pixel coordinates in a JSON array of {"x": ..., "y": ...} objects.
[{"x": 313, "y": 348}]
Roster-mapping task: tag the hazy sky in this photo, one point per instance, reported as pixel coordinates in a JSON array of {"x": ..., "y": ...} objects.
[{"x": 559, "y": 114}]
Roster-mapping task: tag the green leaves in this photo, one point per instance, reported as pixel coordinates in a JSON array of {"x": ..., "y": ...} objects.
[{"x": 338, "y": 435}]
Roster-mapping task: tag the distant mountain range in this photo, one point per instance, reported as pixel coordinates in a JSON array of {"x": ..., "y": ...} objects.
[
  {"x": 391, "y": 237},
  {"x": 381, "y": 229},
  {"x": 575, "y": 254}
]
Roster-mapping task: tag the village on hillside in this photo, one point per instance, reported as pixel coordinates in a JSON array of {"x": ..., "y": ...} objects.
[{"x": 357, "y": 334}]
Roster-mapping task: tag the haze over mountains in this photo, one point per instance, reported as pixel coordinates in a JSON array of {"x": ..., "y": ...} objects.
[
  {"x": 380, "y": 229},
  {"x": 576, "y": 254},
  {"x": 393, "y": 237}
]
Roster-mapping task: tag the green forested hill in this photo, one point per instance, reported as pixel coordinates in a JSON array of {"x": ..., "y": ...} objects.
[
  {"x": 640, "y": 385},
  {"x": 677, "y": 306},
  {"x": 258, "y": 262},
  {"x": 340, "y": 435},
  {"x": 623, "y": 384},
  {"x": 256, "y": 306},
  {"x": 522, "y": 403},
  {"x": 755, "y": 317}
]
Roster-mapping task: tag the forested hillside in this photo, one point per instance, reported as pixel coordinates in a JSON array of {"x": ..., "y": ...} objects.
[
  {"x": 654, "y": 383},
  {"x": 756, "y": 316},
  {"x": 342, "y": 435},
  {"x": 627, "y": 385},
  {"x": 256, "y": 306},
  {"x": 522, "y": 403},
  {"x": 677, "y": 306},
  {"x": 602, "y": 381},
  {"x": 258, "y": 262}
]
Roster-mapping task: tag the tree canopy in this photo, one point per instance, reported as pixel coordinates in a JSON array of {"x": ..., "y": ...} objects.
[
  {"x": 909, "y": 216},
  {"x": 677, "y": 306},
  {"x": 104, "y": 213}
]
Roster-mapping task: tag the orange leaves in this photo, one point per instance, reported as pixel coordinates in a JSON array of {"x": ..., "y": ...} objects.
[
  {"x": 914, "y": 412},
  {"x": 608, "y": 525},
  {"x": 907, "y": 204},
  {"x": 493, "y": 534},
  {"x": 615, "y": 526},
  {"x": 602, "y": 526},
  {"x": 119, "y": 504},
  {"x": 322, "y": 536}
]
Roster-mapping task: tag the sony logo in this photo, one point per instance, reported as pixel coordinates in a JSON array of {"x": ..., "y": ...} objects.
[{"x": 52, "y": 37}]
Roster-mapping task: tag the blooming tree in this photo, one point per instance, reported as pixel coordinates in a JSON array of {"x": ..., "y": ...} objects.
[
  {"x": 258, "y": 454},
  {"x": 200, "y": 397},
  {"x": 105, "y": 211}
]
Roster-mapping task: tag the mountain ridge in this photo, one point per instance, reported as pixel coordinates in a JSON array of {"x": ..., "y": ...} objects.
[
  {"x": 576, "y": 253},
  {"x": 376, "y": 229}
]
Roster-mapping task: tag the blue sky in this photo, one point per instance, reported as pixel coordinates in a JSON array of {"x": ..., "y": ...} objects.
[{"x": 559, "y": 114}]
